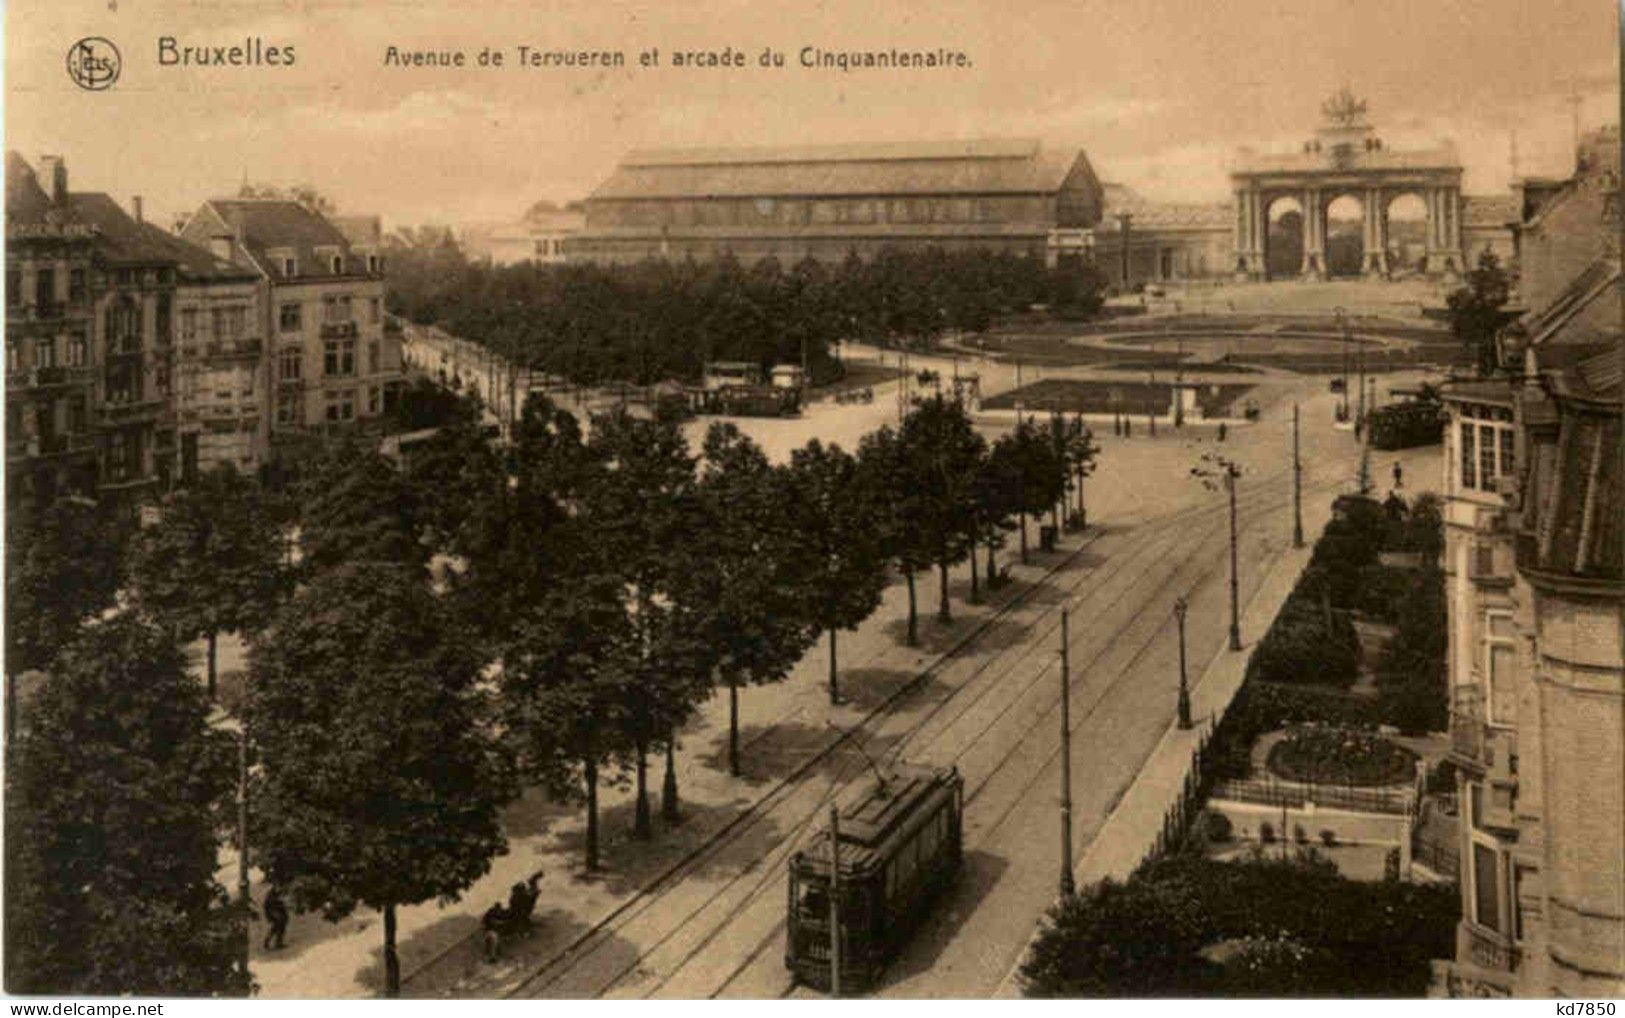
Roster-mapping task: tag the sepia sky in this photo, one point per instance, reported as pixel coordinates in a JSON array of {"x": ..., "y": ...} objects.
[{"x": 1158, "y": 92}]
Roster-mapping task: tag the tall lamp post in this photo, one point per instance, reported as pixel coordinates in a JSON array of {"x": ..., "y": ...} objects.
[
  {"x": 1297, "y": 485},
  {"x": 1068, "y": 887},
  {"x": 1220, "y": 470},
  {"x": 1343, "y": 324},
  {"x": 1181, "y": 606}
]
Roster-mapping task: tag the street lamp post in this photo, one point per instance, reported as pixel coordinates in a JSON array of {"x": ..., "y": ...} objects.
[
  {"x": 1344, "y": 325},
  {"x": 1181, "y": 606},
  {"x": 1068, "y": 887},
  {"x": 1235, "y": 589},
  {"x": 1228, "y": 471},
  {"x": 1297, "y": 485},
  {"x": 242, "y": 846}
]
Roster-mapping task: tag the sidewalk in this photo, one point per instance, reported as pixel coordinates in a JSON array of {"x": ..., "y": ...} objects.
[{"x": 1128, "y": 834}]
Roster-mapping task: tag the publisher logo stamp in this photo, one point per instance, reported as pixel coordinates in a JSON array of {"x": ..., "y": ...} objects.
[{"x": 94, "y": 63}]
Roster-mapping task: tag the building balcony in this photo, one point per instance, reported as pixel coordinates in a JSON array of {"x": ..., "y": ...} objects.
[
  {"x": 341, "y": 330},
  {"x": 132, "y": 410},
  {"x": 1467, "y": 728},
  {"x": 239, "y": 349},
  {"x": 1486, "y": 949},
  {"x": 46, "y": 378},
  {"x": 43, "y": 446}
]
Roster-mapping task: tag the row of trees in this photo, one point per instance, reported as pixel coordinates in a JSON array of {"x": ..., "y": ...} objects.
[
  {"x": 658, "y": 319},
  {"x": 426, "y": 639}
]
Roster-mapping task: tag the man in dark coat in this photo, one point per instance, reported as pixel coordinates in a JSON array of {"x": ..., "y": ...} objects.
[{"x": 276, "y": 920}]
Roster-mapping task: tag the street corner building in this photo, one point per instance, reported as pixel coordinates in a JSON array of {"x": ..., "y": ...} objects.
[
  {"x": 331, "y": 361},
  {"x": 829, "y": 201},
  {"x": 1535, "y": 566}
]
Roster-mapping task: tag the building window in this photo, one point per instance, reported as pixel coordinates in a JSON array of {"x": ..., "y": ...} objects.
[
  {"x": 372, "y": 399},
  {"x": 287, "y": 410},
  {"x": 76, "y": 286},
  {"x": 375, "y": 310},
  {"x": 341, "y": 405},
  {"x": 1469, "y": 457},
  {"x": 291, "y": 318},
  {"x": 45, "y": 352},
  {"x": 78, "y": 350},
  {"x": 1486, "y": 877},
  {"x": 124, "y": 327},
  {"x": 372, "y": 357},
  {"x": 14, "y": 356},
  {"x": 162, "y": 318},
  {"x": 337, "y": 310},
  {"x": 289, "y": 364},
  {"x": 14, "y": 287},
  {"x": 78, "y": 415},
  {"x": 290, "y": 266},
  {"x": 338, "y": 265},
  {"x": 44, "y": 287},
  {"x": 338, "y": 358},
  {"x": 1500, "y": 657},
  {"x": 188, "y": 325}
]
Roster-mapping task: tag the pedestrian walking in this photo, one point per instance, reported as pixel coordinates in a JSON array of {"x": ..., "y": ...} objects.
[
  {"x": 492, "y": 923},
  {"x": 1399, "y": 475},
  {"x": 276, "y": 921}
]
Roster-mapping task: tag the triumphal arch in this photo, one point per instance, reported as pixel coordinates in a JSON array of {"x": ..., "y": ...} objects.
[{"x": 1347, "y": 158}]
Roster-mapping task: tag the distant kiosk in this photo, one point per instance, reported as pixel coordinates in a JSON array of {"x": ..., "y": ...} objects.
[{"x": 1346, "y": 157}]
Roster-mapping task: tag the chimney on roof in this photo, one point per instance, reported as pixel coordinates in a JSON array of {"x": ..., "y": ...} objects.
[
  {"x": 53, "y": 171},
  {"x": 135, "y": 208}
]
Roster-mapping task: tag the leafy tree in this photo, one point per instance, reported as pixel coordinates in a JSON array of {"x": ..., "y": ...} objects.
[
  {"x": 1136, "y": 939},
  {"x": 423, "y": 403},
  {"x": 115, "y": 789},
  {"x": 836, "y": 519},
  {"x": 1026, "y": 461},
  {"x": 639, "y": 505},
  {"x": 886, "y": 478},
  {"x": 993, "y": 506},
  {"x": 1476, "y": 311},
  {"x": 753, "y": 618},
  {"x": 564, "y": 676},
  {"x": 1079, "y": 451},
  {"x": 357, "y": 507},
  {"x": 63, "y": 566},
  {"x": 380, "y": 783},
  {"x": 940, "y": 454},
  {"x": 212, "y": 563}
]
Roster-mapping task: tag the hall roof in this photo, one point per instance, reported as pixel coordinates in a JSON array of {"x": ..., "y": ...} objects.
[{"x": 988, "y": 166}]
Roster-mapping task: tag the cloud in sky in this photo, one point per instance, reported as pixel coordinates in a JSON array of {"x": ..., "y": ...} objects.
[{"x": 1159, "y": 92}]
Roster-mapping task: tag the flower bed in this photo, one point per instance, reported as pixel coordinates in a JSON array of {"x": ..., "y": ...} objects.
[{"x": 1340, "y": 756}]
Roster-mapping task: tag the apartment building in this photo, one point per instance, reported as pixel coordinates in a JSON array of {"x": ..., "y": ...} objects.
[
  {"x": 332, "y": 364},
  {"x": 89, "y": 337},
  {"x": 1536, "y": 553},
  {"x": 222, "y": 385}
]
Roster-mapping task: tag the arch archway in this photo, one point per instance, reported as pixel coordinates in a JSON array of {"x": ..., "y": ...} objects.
[
  {"x": 1405, "y": 227},
  {"x": 1283, "y": 240},
  {"x": 1345, "y": 235}
]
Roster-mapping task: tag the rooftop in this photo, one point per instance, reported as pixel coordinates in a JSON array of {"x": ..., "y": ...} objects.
[{"x": 962, "y": 167}]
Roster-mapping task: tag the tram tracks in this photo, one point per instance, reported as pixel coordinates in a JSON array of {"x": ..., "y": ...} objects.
[
  {"x": 1264, "y": 496},
  {"x": 982, "y": 832}
]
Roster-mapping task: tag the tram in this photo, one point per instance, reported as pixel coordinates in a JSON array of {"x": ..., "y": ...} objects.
[{"x": 900, "y": 848}]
